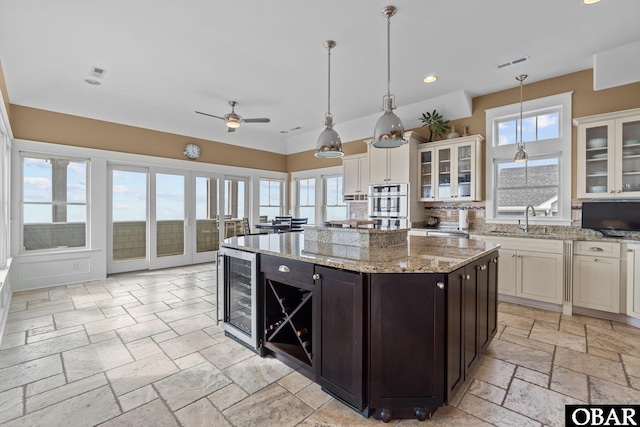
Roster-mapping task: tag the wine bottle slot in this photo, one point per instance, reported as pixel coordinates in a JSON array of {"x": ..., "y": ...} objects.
[
  {"x": 302, "y": 331},
  {"x": 307, "y": 345}
]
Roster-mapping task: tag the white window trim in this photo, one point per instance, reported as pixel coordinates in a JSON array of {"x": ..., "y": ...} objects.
[
  {"x": 561, "y": 146},
  {"x": 282, "y": 193},
  {"x": 325, "y": 203},
  {"x": 318, "y": 175}
]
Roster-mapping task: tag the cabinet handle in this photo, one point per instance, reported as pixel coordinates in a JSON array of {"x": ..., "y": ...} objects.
[
  {"x": 513, "y": 255},
  {"x": 611, "y": 191},
  {"x": 316, "y": 276},
  {"x": 595, "y": 259},
  {"x": 619, "y": 191},
  {"x": 440, "y": 285},
  {"x": 467, "y": 277},
  {"x": 595, "y": 249},
  {"x": 495, "y": 260},
  {"x": 283, "y": 269}
]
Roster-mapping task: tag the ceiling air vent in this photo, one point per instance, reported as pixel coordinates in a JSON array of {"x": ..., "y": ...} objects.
[
  {"x": 513, "y": 62},
  {"x": 97, "y": 72}
]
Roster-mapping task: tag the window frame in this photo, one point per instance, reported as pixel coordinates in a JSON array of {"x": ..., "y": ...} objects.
[
  {"x": 340, "y": 200},
  {"x": 557, "y": 147},
  {"x": 35, "y": 155},
  {"x": 281, "y": 188},
  {"x": 318, "y": 175}
]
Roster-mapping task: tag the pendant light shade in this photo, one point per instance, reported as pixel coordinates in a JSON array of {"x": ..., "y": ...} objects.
[
  {"x": 329, "y": 144},
  {"x": 389, "y": 131},
  {"x": 521, "y": 154}
]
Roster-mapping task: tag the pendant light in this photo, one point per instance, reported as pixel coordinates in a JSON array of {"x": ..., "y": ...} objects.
[
  {"x": 389, "y": 132},
  {"x": 329, "y": 144},
  {"x": 521, "y": 154}
]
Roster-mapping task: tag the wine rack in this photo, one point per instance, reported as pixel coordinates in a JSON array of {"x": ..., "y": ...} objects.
[{"x": 288, "y": 321}]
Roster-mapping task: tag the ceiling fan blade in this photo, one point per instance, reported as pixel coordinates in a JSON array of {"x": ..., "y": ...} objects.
[
  {"x": 210, "y": 115},
  {"x": 260, "y": 120},
  {"x": 231, "y": 129}
]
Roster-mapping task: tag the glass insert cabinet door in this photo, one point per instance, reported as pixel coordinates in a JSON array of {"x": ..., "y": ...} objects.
[
  {"x": 427, "y": 170},
  {"x": 464, "y": 171},
  {"x": 444, "y": 173},
  {"x": 630, "y": 159},
  {"x": 599, "y": 159}
]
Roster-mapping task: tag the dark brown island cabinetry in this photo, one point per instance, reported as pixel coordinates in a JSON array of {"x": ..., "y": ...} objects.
[{"x": 395, "y": 345}]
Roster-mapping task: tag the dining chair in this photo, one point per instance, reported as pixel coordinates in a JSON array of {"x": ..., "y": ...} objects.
[
  {"x": 246, "y": 228},
  {"x": 297, "y": 223},
  {"x": 284, "y": 219}
]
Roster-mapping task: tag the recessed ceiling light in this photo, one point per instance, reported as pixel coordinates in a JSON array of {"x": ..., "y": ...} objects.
[
  {"x": 590, "y": 1},
  {"x": 430, "y": 78},
  {"x": 284, "y": 131},
  {"x": 296, "y": 128},
  {"x": 93, "y": 82}
]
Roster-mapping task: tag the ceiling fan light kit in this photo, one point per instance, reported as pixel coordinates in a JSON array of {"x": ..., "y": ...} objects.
[
  {"x": 329, "y": 143},
  {"x": 233, "y": 120},
  {"x": 389, "y": 131}
]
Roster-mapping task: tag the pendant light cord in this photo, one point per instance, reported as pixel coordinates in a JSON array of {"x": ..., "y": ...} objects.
[
  {"x": 388, "y": 56},
  {"x": 329, "y": 85},
  {"x": 521, "y": 78}
]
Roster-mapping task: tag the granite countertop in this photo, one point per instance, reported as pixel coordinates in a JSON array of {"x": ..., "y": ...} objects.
[{"x": 420, "y": 255}]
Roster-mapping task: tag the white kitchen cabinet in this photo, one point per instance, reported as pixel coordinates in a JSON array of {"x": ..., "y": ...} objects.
[
  {"x": 450, "y": 170},
  {"x": 530, "y": 268},
  {"x": 633, "y": 280},
  {"x": 596, "y": 283},
  {"x": 394, "y": 165},
  {"x": 609, "y": 155},
  {"x": 356, "y": 175}
]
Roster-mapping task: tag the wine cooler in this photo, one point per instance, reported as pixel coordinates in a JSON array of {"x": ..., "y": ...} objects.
[{"x": 241, "y": 308}]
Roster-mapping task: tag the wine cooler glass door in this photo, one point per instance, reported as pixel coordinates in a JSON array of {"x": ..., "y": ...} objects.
[{"x": 240, "y": 284}]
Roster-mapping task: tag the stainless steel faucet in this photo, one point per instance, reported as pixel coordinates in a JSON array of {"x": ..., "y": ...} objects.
[{"x": 526, "y": 218}]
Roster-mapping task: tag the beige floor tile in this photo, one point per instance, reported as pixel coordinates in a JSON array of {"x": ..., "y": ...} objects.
[
  {"x": 570, "y": 382},
  {"x": 186, "y": 311},
  {"x": 11, "y": 403},
  {"x": 189, "y": 361},
  {"x": 30, "y": 323},
  {"x": 226, "y": 353},
  {"x": 38, "y": 312},
  {"x": 631, "y": 365},
  {"x": 494, "y": 371},
  {"x": 611, "y": 355},
  {"x": 45, "y": 384},
  {"x": 146, "y": 309},
  {"x": 494, "y": 414},
  {"x": 530, "y": 312},
  {"x": 227, "y": 396},
  {"x": 541, "y": 404},
  {"x": 558, "y": 338},
  {"x": 572, "y": 327},
  {"x": 191, "y": 324},
  {"x": 294, "y": 382},
  {"x": 533, "y": 377},
  {"x": 30, "y": 371},
  {"x": 142, "y": 330},
  {"x": 152, "y": 414},
  {"x": 516, "y": 321},
  {"x": 591, "y": 365},
  {"x": 611, "y": 340},
  {"x": 140, "y": 373},
  {"x": 511, "y": 330},
  {"x": 271, "y": 406},
  {"x": 137, "y": 398},
  {"x": 626, "y": 328},
  {"x": 313, "y": 396},
  {"x": 487, "y": 391},
  {"x": 64, "y": 392},
  {"x": 185, "y": 387},
  {"x": 255, "y": 373},
  {"x": 110, "y": 324},
  {"x": 13, "y": 340},
  {"x": 528, "y": 342},
  {"x": 201, "y": 413},
  {"x": 103, "y": 337},
  {"x": 53, "y": 334},
  {"x": 520, "y": 355},
  {"x": 92, "y": 359},
  {"x": 186, "y": 344},
  {"x": 143, "y": 348},
  {"x": 607, "y": 393},
  {"x": 591, "y": 321},
  {"x": 91, "y": 408},
  {"x": 164, "y": 336}
]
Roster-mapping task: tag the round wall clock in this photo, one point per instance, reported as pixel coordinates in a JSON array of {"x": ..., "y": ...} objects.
[{"x": 192, "y": 151}]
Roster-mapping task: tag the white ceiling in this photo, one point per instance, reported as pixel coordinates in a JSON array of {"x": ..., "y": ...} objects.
[{"x": 167, "y": 58}]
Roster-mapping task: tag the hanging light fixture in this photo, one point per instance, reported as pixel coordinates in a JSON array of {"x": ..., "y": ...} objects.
[
  {"x": 521, "y": 154},
  {"x": 389, "y": 132},
  {"x": 329, "y": 144}
]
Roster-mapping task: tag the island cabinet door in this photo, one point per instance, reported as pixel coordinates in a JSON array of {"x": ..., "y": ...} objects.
[
  {"x": 407, "y": 345},
  {"x": 340, "y": 365}
]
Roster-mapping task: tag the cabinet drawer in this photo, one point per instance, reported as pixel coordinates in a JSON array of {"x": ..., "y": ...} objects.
[
  {"x": 603, "y": 249},
  {"x": 527, "y": 244},
  {"x": 287, "y": 270}
]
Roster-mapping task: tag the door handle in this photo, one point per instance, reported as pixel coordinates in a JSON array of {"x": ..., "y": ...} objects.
[
  {"x": 316, "y": 276},
  {"x": 440, "y": 285}
]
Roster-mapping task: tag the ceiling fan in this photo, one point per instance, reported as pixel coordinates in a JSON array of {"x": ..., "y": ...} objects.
[{"x": 233, "y": 120}]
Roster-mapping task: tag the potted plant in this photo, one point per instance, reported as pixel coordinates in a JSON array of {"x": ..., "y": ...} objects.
[{"x": 435, "y": 123}]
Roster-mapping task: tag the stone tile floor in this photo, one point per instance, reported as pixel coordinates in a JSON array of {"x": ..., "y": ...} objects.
[{"x": 143, "y": 349}]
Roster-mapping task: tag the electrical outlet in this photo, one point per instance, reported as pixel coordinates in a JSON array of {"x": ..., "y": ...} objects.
[
  {"x": 479, "y": 213},
  {"x": 75, "y": 265},
  {"x": 448, "y": 214}
]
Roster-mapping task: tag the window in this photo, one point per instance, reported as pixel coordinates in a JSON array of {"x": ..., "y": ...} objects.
[
  {"x": 5, "y": 174},
  {"x": 544, "y": 182},
  {"x": 54, "y": 202},
  {"x": 335, "y": 207},
  {"x": 234, "y": 198},
  {"x": 270, "y": 198},
  {"x": 306, "y": 197}
]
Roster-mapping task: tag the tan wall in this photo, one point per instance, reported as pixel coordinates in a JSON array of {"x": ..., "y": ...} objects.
[
  {"x": 47, "y": 126},
  {"x": 306, "y": 160},
  {"x": 3, "y": 90}
]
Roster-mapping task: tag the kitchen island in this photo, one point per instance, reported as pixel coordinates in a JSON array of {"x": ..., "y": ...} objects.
[{"x": 390, "y": 331}]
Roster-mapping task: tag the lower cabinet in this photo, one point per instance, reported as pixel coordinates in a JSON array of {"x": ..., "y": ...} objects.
[
  {"x": 596, "y": 276},
  {"x": 395, "y": 345},
  {"x": 633, "y": 280}
]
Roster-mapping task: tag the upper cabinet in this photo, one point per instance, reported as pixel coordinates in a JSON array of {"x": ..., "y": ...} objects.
[
  {"x": 451, "y": 170},
  {"x": 609, "y": 155},
  {"x": 394, "y": 165},
  {"x": 356, "y": 175}
]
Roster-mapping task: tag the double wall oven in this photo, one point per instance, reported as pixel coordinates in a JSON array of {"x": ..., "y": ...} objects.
[{"x": 389, "y": 205}]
